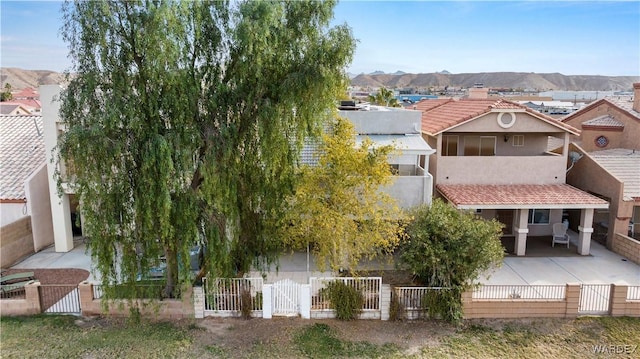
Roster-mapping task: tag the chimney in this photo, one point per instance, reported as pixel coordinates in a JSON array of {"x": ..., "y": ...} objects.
[{"x": 636, "y": 96}]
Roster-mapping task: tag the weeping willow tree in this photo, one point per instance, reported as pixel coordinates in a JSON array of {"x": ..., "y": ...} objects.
[{"x": 185, "y": 120}]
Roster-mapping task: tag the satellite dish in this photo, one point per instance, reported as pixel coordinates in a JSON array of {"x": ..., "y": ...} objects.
[{"x": 575, "y": 156}]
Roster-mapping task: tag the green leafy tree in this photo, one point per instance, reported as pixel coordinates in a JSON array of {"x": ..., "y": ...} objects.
[
  {"x": 184, "y": 123},
  {"x": 6, "y": 94},
  {"x": 338, "y": 208},
  {"x": 384, "y": 97},
  {"x": 450, "y": 248}
]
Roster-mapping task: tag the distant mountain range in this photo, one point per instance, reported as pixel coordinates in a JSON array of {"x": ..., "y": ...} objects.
[
  {"x": 506, "y": 80},
  {"x": 19, "y": 79}
]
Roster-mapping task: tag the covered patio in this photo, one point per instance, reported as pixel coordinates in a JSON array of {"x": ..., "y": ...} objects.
[{"x": 528, "y": 210}]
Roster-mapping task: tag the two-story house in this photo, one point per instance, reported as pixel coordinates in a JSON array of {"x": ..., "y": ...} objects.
[
  {"x": 492, "y": 156},
  {"x": 609, "y": 166},
  {"x": 400, "y": 128}
]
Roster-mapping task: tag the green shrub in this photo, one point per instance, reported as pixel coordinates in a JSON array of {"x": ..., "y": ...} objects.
[
  {"x": 396, "y": 309},
  {"x": 346, "y": 300}
]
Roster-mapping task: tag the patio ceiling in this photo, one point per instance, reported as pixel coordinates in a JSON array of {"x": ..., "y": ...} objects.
[{"x": 476, "y": 196}]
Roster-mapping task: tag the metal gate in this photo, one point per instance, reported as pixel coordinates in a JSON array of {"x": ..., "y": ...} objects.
[
  {"x": 594, "y": 299},
  {"x": 286, "y": 298},
  {"x": 60, "y": 298}
]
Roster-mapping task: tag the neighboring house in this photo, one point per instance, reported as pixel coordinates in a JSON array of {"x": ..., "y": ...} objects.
[
  {"x": 13, "y": 109},
  {"x": 29, "y": 98},
  {"x": 492, "y": 157},
  {"x": 24, "y": 190},
  {"x": 609, "y": 166},
  {"x": 400, "y": 128}
]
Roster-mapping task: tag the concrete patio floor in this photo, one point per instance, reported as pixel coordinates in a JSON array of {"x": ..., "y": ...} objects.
[{"x": 600, "y": 267}]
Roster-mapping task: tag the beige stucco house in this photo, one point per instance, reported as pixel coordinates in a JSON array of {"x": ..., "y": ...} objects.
[
  {"x": 492, "y": 156},
  {"x": 413, "y": 185},
  {"x": 609, "y": 166}
]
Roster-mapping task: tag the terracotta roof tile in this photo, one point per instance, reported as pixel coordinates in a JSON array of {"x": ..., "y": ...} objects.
[
  {"x": 539, "y": 196},
  {"x": 603, "y": 121},
  {"x": 437, "y": 118},
  {"x": 624, "y": 164},
  {"x": 625, "y": 103},
  {"x": 21, "y": 153}
]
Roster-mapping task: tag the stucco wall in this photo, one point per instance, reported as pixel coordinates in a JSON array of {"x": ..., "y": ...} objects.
[
  {"x": 587, "y": 175},
  {"x": 39, "y": 205},
  {"x": 11, "y": 212},
  {"x": 626, "y": 139},
  {"x": 500, "y": 170},
  {"x": 411, "y": 191},
  {"x": 525, "y": 123}
]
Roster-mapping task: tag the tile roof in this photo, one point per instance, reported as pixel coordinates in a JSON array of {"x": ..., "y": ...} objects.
[
  {"x": 7, "y": 108},
  {"x": 21, "y": 153},
  {"x": 26, "y": 93},
  {"x": 624, "y": 164},
  {"x": 604, "y": 121},
  {"x": 519, "y": 196},
  {"x": 624, "y": 103},
  {"x": 437, "y": 118}
]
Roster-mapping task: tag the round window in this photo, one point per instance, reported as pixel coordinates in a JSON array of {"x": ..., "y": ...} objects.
[
  {"x": 506, "y": 119},
  {"x": 602, "y": 141}
]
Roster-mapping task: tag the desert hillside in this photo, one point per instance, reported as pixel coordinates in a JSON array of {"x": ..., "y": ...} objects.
[
  {"x": 509, "y": 80},
  {"x": 19, "y": 79}
]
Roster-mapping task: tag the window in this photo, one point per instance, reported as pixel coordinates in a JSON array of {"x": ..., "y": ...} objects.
[
  {"x": 602, "y": 141},
  {"x": 479, "y": 145},
  {"x": 449, "y": 145},
  {"x": 518, "y": 140},
  {"x": 506, "y": 119},
  {"x": 539, "y": 216}
]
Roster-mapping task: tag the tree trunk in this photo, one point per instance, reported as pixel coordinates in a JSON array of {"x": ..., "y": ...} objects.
[{"x": 172, "y": 272}]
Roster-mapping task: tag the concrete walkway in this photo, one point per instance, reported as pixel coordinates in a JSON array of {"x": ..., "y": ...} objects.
[{"x": 600, "y": 267}]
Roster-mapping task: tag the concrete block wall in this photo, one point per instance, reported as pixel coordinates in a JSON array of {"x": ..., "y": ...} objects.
[
  {"x": 619, "y": 305},
  {"x": 523, "y": 308},
  {"x": 16, "y": 241},
  {"x": 626, "y": 247},
  {"x": 29, "y": 305},
  {"x": 165, "y": 309}
]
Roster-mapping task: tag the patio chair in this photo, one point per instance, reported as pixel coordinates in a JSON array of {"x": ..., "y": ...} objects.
[{"x": 559, "y": 235}]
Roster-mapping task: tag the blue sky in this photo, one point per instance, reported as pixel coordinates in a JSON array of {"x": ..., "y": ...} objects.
[{"x": 569, "y": 37}]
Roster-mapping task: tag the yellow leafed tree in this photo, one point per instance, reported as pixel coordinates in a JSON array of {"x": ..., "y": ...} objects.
[{"x": 338, "y": 209}]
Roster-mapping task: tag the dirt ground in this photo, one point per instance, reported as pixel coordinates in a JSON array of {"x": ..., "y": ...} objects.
[{"x": 236, "y": 334}]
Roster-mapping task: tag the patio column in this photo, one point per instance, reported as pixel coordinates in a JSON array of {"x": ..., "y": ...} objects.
[
  {"x": 520, "y": 230},
  {"x": 584, "y": 231}
]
